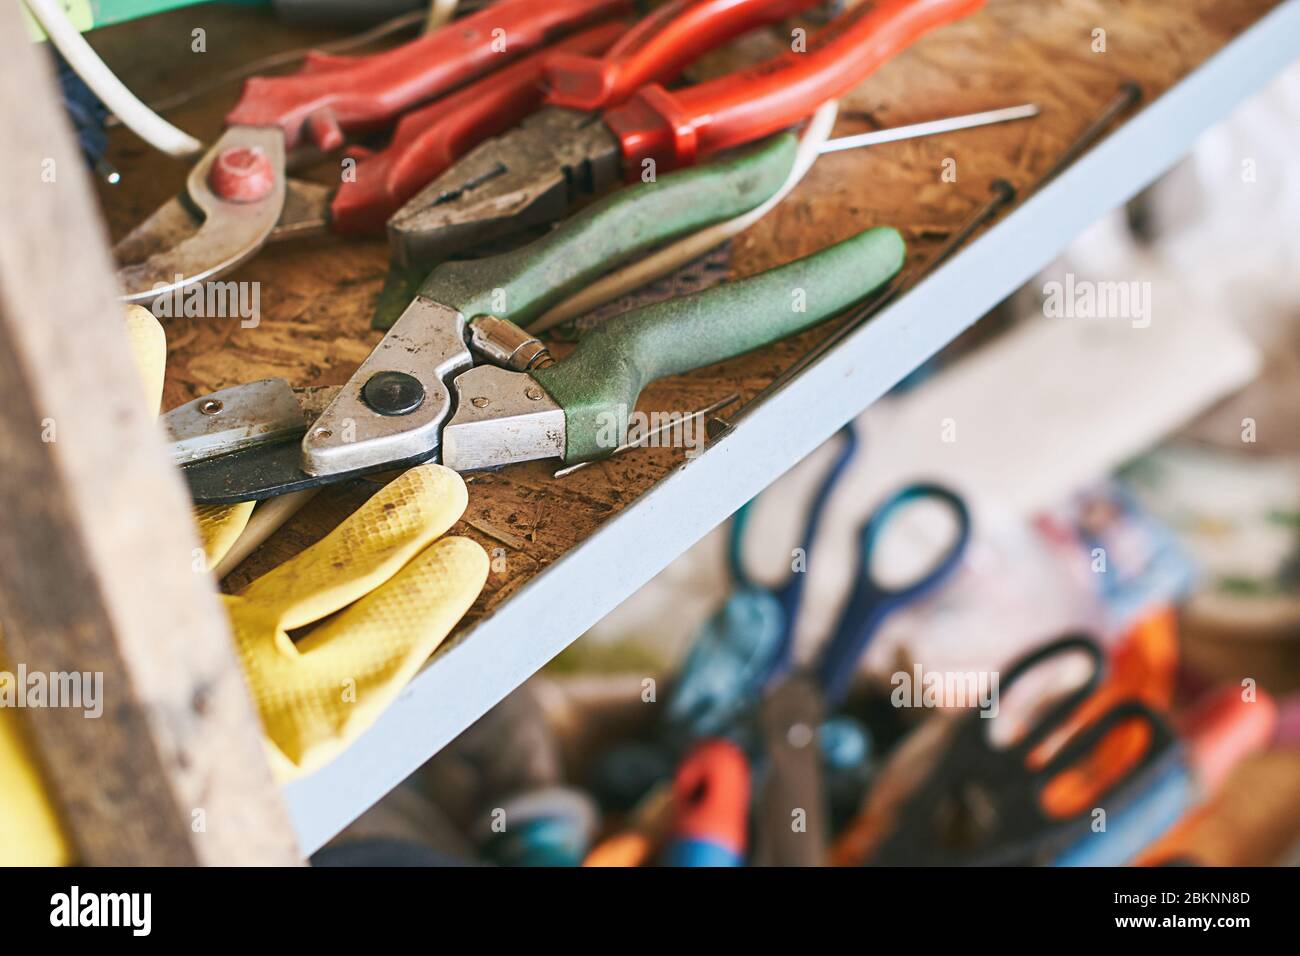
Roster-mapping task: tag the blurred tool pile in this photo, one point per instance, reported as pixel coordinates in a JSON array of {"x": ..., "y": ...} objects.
[{"x": 1074, "y": 738}]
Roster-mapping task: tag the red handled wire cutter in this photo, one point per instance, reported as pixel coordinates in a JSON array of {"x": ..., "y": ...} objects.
[{"x": 238, "y": 196}]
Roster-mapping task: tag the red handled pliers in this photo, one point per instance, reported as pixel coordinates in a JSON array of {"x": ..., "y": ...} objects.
[
  {"x": 238, "y": 197},
  {"x": 656, "y": 49},
  {"x": 535, "y": 173}
]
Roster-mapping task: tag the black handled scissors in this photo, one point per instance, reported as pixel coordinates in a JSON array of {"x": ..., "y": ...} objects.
[{"x": 983, "y": 804}]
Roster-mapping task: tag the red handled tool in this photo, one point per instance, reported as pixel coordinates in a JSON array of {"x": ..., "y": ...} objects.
[
  {"x": 534, "y": 174},
  {"x": 237, "y": 197},
  {"x": 711, "y": 796},
  {"x": 428, "y": 140},
  {"x": 658, "y": 49}
]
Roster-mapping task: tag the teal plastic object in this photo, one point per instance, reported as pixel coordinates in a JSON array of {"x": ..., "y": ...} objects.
[
  {"x": 522, "y": 284},
  {"x": 87, "y": 15},
  {"x": 598, "y": 385}
]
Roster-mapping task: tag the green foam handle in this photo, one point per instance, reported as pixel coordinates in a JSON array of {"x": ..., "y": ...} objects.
[
  {"x": 599, "y": 383},
  {"x": 617, "y": 228}
]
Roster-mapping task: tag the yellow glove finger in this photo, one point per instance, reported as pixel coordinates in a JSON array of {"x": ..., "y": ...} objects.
[
  {"x": 219, "y": 528},
  {"x": 319, "y": 695},
  {"x": 149, "y": 349},
  {"x": 365, "y": 550},
  {"x": 30, "y": 834}
]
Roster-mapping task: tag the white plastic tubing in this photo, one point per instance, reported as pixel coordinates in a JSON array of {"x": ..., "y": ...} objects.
[
  {"x": 124, "y": 104},
  {"x": 672, "y": 257}
]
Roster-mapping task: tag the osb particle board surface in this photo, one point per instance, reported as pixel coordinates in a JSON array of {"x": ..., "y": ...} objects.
[{"x": 316, "y": 295}]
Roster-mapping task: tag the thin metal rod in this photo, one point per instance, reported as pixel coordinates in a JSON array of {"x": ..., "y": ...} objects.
[
  {"x": 1003, "y": 194},
  {"x": 642, "y": 439},
  {"x": 931, "y": 128}
]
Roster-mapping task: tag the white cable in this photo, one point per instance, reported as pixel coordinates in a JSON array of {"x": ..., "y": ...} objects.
[
  {"x": 670, "y": 258},
  {"x": 137, "y": 117}
]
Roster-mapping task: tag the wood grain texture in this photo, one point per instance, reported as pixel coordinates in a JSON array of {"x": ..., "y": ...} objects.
[
  {"x": 96, "y": 542},
  {"x": 316, "y": 296}
]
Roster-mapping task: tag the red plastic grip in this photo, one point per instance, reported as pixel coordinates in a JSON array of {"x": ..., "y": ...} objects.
[
  {"x": 674, "y": 128},
  {"x": 427, "y": 141},
  {"x": 332, "y": 95},
  {"x": 658, "y": 48},
  {"x": 1222, "y": 729},
  {"x": 711, "y": 795}
]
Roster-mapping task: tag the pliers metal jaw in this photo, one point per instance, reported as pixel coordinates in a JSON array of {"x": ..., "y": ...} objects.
[{"x": 530, "y": 176}]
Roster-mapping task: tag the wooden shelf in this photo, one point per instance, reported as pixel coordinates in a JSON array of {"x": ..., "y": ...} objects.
[{"x": 576, "y": 547}]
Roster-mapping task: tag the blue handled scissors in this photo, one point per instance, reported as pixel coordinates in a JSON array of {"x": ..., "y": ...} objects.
[
  {"x": 870, "y": 601},
  {"x": 750, "y": 641},
  {"x": 796, "y": 703}
]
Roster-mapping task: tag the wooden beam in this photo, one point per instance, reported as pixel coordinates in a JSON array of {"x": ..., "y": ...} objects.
[{"x": 97, "y": 543}]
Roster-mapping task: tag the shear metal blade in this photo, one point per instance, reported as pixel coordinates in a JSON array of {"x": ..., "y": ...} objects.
[
  {"x": 267, "y": 471},
  {"x": 245, "y": 443},
  {"x": 241, "y": 417},
  {"x": 201, "y": 236}
]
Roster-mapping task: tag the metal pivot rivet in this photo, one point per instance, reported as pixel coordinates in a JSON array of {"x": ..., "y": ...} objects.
[
  {"x": 212, "y": 406},
  {"x": 321, "y": 433},
  {"x": 479, "y": 402},
  {"x": 393, "y": 393},
  {"x": 799, "y": 735},
  {"x": 534, "y": 394}
]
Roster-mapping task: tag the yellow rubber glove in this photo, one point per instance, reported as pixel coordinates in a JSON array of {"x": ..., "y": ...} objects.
[
  {"x": 403, "y": 591},
  {"x": 218, "y": 525},
  {"x": 316, "y": 696}
]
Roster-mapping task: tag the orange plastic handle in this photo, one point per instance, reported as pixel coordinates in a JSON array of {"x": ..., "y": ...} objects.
[
  {"x": 332, "y": 95},
  {"x": 675, "y": 128},
  {"x": 658, "y": 48}
]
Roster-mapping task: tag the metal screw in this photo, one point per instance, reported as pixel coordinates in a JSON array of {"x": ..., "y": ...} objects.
[
  {"x": 479, "y": 402},
  {"x": 534, "y": 394},
  {"x": 322, "y": 433},
  {"x": 212, "y": 406}
]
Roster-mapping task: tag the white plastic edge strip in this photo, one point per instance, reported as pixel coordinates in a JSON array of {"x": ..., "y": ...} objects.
[
  {"x": 134, "y": 114},
  {"x": 672, "y": 257}
]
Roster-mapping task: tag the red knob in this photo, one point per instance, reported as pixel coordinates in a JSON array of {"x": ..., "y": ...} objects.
[{"x": 241, "y": 174}]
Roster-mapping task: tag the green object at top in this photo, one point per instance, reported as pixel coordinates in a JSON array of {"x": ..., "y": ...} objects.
[{"x": 91, "y": 14}]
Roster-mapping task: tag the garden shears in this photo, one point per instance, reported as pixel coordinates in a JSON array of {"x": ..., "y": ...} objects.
[{"x": 458, "y": 379}]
